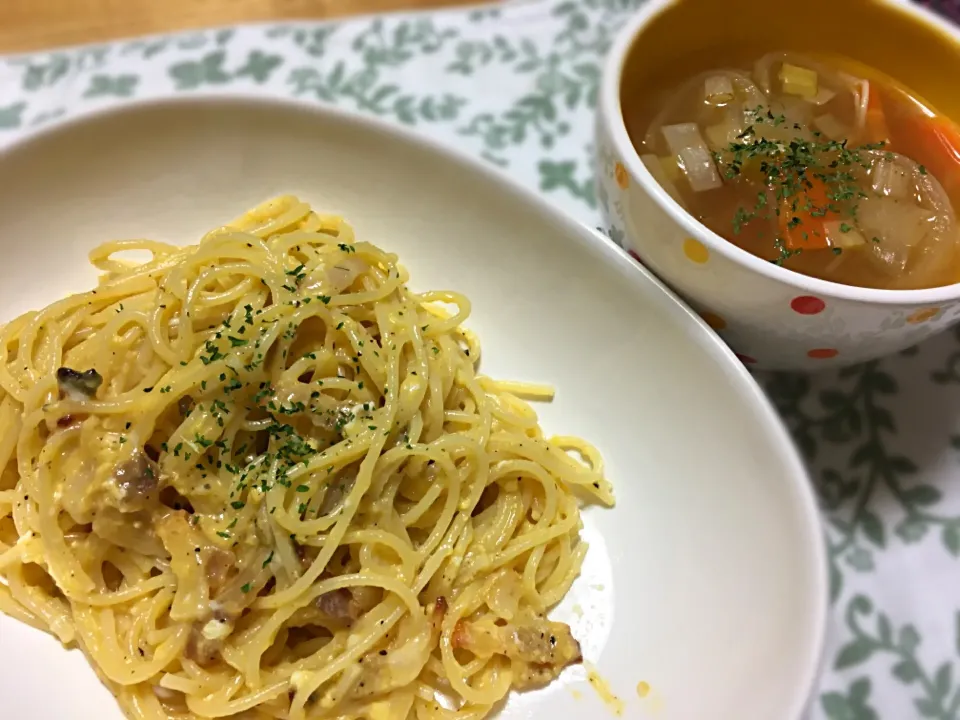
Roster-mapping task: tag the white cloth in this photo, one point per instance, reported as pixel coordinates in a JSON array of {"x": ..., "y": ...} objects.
[{"x": 516, "y": 84}]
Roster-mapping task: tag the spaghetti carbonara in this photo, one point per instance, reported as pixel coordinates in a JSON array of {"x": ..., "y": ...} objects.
[{"x": 258, "y": 477}]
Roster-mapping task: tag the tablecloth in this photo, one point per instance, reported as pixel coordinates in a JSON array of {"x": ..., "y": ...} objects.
[{"x": 516, "y": 84}]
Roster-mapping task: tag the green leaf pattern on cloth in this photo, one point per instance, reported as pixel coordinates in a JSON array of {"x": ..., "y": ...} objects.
[{"x": 517, "y": 85}]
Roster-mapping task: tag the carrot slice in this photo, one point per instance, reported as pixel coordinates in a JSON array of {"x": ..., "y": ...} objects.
[
  {"x": 937, "y": 142},
  {"x": 803, "y": 215}
]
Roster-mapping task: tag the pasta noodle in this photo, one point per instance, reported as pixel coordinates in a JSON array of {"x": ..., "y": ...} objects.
[{"x": 259, "y": 477}]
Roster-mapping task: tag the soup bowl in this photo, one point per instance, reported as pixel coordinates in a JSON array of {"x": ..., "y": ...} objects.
[{"x": 772, "y": 317}]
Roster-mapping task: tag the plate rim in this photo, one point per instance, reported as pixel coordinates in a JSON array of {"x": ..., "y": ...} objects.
[{"x": 602, "y": 249}]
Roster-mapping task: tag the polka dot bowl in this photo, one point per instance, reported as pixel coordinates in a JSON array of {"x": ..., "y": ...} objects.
[{"x": 773, "y": 318}]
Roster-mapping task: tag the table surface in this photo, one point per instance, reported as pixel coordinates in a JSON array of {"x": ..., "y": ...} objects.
[{"x": 38, "y": 24}]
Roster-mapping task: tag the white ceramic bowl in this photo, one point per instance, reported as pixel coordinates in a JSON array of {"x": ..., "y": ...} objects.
[
  {"x": 772, "y": 317},
  {"x": 708, "y": 579}
]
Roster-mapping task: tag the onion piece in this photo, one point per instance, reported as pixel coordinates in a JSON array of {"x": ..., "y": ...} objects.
[
  {"x": 797, "y": 112},
  {"x": 917, "y": 236},
  {"x": 718, "y": 90},
  {"x": 933, "y": 194},
  {"x": 343, "y": 274},
  {"x": 746, "y": 90},
  {"x": 670, "y": 168},
  {"x": 831, "y": 127},
  {"x": 335, "y": 279},
  {"x": 761, "y": 71},
  {"x": 823, "y": 96},
  {"x": 655, "y": 168},
  {"x": 841, "y": 235},
  {"x": 693, "y": 155},
  {"x": 720, "y": 136},
  {"x": 691, "y": 92},
  {"x": 783, "y": 121},
  {"x": 889, "y": 179},
  {"x": 861, "y": 97},
  {"x": 896, "y": 227}
]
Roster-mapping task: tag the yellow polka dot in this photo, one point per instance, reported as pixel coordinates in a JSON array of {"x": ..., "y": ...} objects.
[
  {"x": 695, "y": 251},
  {"x": 923, "y": 315},
  {"x": 643, "y": 689},
  {"x": 713, "y": 320},
  {"x": 621, "y": 176}
]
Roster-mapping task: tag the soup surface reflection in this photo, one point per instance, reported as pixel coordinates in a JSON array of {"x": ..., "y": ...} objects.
[{"x": 818, "y": 164}]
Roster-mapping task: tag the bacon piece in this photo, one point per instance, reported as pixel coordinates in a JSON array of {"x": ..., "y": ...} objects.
[{"x": 539, "y": 649}]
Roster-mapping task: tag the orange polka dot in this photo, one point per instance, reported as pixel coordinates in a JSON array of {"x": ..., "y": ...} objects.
[
  {"x": 822, "y": 353},
  {"x": 713, "y": 320},
  {"x": 621, "y": 176},
  {"x": 923, "y": 315},
  {"x": 695, "y": 251}
]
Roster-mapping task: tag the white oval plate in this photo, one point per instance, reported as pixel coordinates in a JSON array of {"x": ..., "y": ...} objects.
[{"x": 707, "y": 581}]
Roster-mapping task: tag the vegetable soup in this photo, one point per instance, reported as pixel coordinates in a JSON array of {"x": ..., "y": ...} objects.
[{"x": 811, "y": 161}]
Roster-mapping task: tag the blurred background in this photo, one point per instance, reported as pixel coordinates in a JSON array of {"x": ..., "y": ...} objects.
[
  {"x": 38, "y": 24},
  {"x": 34, "y": 25}
]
